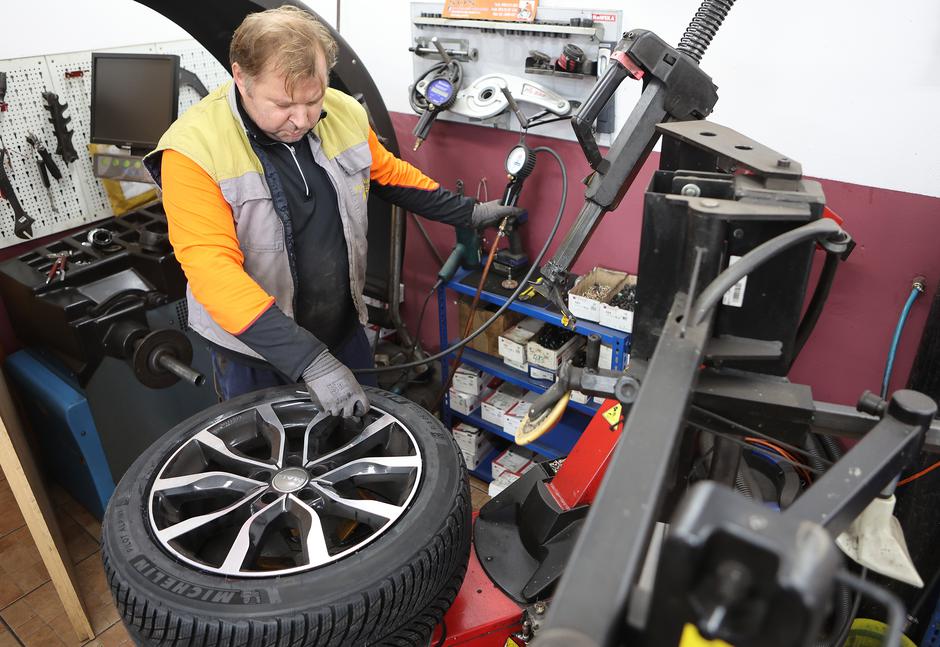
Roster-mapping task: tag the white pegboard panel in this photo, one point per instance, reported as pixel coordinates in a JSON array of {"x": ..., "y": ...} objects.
[
  {"x": 504, "y": 51},
  {"x": 196, "y": 59},
  {"x": 78, "y": 196},
  {"x": 27, "y": 79},
  {"x": 76, "y": 92}
]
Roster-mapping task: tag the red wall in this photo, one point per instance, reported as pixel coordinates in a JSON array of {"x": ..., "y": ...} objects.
[{"x": 896, "y": 232}]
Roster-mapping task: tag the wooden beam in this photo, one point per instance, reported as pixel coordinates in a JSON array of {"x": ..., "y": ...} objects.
[{"x": 18, "y": 466}]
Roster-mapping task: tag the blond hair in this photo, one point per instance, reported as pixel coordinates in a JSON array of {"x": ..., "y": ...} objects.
[{"x": 289, "y": 37}]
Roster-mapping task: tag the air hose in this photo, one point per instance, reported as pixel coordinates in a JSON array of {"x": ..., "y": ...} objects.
[
  {"x": 917, "y": 288},
  {"x": 523, "y": 284}
]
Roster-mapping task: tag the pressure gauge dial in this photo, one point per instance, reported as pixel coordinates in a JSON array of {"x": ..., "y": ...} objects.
[{"x": 520, "y": 162}]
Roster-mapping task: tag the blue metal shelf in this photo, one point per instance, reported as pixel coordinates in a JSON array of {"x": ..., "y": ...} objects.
[
  {"x": 559, "y": 441},
  {"x": 555, "y": 444},
  {"x": 620, "y": 341},
  {"x": 497, "y": 367}
]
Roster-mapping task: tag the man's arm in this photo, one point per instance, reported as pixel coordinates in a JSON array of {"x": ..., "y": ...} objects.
[
  {"x": 400, "y": 183},
  {"x": 202, "y": 232}
]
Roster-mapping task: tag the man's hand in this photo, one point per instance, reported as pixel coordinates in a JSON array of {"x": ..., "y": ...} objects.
[
  {"x": 334, "y": 387},
  {"x": 490, "y": 213}
]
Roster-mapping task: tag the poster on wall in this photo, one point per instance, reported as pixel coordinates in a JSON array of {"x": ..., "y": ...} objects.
[{"x": 509, "y": 10}]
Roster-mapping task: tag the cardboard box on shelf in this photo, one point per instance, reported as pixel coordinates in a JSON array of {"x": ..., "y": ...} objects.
[
  {"x": 462, "y": 402},
  {"x": 488, "y": 340},
  {"x": 615, "y": 317},
  {"x": 500, "y": 401},
  {"x": 512, "y": 343},
  {"x": 474, "y": 457},
  {"x": 539, "y": 373},
  {"x": 591, "y": 290},
  {"x": 580, "y": 398},
  {"x": 467, "y": 436},
  {"x": 515, "y": 459},
  {"x": 468, "y": 379},
  {"x": 515, "y": 414},
  {"x": 524, "y": 367},
  {"x": 605, "y": 358},
  {"x": 552, "y": 359}
]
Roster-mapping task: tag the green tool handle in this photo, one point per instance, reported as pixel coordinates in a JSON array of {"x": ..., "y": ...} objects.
[{"x": 452, "y": 263}]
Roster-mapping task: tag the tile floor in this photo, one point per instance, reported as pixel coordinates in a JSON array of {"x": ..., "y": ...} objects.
[{"x": 30, "y": 612}]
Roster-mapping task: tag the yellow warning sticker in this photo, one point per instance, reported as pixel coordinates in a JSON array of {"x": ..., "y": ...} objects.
[
  {"x": 511, "y": 643},
  {"x": 612, "y": 415}
]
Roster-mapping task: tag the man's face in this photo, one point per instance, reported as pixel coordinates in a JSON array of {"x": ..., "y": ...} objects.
[{"x": 282, "y": 115}]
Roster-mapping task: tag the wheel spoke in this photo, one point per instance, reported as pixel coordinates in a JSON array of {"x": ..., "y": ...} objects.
[
  {"x": 273, "y": 430},
  {"x": 317, "y": 419},
  {"x": 176, "y": 530},
  {"x": 371, "y": 513},
  {"x": 205, "y": 482},
  {"x": 219, "y": 450},
  {"x": 313, "y": 542},
  {"x": 370, "y": 470},
  {"x": 250, "y": 535},
  {"x": 360, "y": 444}
]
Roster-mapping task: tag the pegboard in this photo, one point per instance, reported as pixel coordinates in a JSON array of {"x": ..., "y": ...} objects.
[
  {"x": 27, "y": 79},
  {"x": 504, "y": 51},
  {"x": 196, "y": 59},
  {"x": 78, "y": 196}
]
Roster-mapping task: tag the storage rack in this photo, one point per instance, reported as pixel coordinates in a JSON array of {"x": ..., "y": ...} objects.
[{"x": 559, "y": 441}]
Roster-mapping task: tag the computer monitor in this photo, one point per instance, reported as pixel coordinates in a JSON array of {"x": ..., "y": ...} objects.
[{"x": 134, "y": 98}]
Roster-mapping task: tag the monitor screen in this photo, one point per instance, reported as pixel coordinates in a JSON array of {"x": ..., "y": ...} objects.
[{"x": 134, "y": 98}]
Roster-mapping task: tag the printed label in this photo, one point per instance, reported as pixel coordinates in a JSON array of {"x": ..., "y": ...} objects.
[
  {"x": 195, "y": 592},
  {"x": 603, "y": 17},
  {"x": 735, "y": 296}
]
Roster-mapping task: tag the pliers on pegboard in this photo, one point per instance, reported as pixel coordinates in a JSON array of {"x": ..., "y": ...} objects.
[{"x": 47, "y": 166}]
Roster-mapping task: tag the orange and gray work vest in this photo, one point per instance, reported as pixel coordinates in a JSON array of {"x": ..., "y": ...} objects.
[{"x": 212, "y": 136}]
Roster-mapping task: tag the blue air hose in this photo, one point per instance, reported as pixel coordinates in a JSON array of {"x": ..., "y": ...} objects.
[{"x": 916, "y": 290}]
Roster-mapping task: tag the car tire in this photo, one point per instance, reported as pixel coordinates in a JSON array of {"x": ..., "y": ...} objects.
[{"x": 180, "y": 580}]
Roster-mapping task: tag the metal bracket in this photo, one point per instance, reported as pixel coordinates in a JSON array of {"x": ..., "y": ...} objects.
[{"x": 456, "y": 48}]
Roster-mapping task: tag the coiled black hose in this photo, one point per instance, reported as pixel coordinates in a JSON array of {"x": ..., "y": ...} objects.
[{"x": 700, "y": 32}]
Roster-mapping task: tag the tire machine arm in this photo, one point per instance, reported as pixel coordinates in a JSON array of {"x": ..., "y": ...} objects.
[{"x": 675, "y": 88}]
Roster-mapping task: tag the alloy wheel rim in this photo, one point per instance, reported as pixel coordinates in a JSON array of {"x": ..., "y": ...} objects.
[{"x": 281, "y": 487}]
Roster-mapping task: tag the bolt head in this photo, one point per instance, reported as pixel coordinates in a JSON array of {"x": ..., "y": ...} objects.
[
  {"x": 783, "y": 162},
  {"x": 710, "y": 204},
  {"x": 692, "y": 190}
]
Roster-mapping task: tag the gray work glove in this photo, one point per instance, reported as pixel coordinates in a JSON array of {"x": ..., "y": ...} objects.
[
  {"x": 490, "y": 213},
  {"x": 334, "y": 387}
]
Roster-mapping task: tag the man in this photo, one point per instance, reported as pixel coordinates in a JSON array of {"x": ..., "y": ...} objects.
[{"x": 265, "y": 185}]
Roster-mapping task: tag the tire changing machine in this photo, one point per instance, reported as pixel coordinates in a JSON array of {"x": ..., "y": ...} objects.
[{"x": 109, "y": 364}]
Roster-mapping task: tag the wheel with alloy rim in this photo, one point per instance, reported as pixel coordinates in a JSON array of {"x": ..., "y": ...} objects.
[{"x": 263, "y": 521}]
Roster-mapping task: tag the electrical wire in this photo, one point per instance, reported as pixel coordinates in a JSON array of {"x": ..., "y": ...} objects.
[
  {"x": 895, "y": 620},
  {"x": 763, "y": 443},
  {"x": 424, "y": 308},
  {"x": 759, "y": 434},
  {"x": 523, "y": 284},
  {"x": 712, "y": 294},
  {"x": 735, "y": 439},
  {"x": 914, "y": 477},
  {"x": 473, "y": 308},
  {"x": 916, "y": 290}
]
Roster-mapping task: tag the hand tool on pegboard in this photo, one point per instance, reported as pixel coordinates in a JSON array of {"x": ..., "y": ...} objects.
[
  {"x": 60, "y": 126},
  {"x": 22, "y": 223},
  {"x": 47, "y": 166},
  {"x": 3, "y": 94}
]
